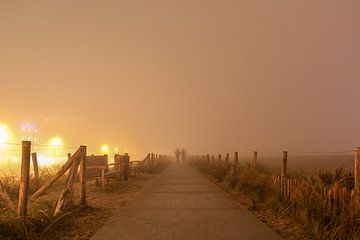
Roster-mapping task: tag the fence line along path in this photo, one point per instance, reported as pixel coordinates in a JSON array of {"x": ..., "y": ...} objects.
[{"x": 181, "y": 203}]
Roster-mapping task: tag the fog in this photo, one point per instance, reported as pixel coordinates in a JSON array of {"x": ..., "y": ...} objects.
[{"x": 209, "y": 76}]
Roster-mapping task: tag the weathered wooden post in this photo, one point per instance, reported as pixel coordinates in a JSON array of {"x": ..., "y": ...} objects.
[
  {"x": 24, "y": 179},
  {"x": 227, "y": 161},
  {"x": 284, "y": 164},
  {"x": 127, "y": 166},
  {"x": 236, "y": 160},
  {"x": 69, "y": 157},
  {"x": 117, "y": 166},
  {"x": 60, "y": 173},
  {"x": 235, "y": 164},
  {"x": 36, "y": 170},
  {"x": 83, "y": 176},
  {"x": 152, "y": 162},
  {"x": 254, "y": 162},
  {"x": 66, "y": 197},
  {"x": 156, "y": 161},
  {"x": 148, "y": 162},
  {"x": 357, "y": 171},
  {"x": 227, "y": 158},
  {"x": 283, "y": 171}
]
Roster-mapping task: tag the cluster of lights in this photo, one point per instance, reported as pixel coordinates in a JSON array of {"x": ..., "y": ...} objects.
[
  {"x": 105, "y": 149},
  {"x": 4, "y": 135},
  {"x": 28, "y": 132}
]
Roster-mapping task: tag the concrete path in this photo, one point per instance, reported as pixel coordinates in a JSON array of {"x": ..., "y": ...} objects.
[{"x": 181, "y": 204}]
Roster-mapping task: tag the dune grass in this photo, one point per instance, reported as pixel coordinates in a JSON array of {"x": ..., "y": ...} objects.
[{"x": 309, "y": 206}]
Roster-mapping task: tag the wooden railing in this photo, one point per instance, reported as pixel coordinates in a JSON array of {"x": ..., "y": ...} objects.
[{"x": 76, "y": 167}]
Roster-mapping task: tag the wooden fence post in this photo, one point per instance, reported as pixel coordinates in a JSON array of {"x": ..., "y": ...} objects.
[
  {"x": 235, "y": 164},
  {"x": 236, "y": 159},
  {"x": 156, "y": 160},
  {"x": 36, "y": 170},
  {"x": 283, "y": 172},
  {"x": 66, "y": 196},
  {"x": 61, "y": 172},
  {"x": 127, "y": 165},
  {"x": 254, "y": 162},
  {"x": 117, "y": 166},
  {"x": 69, "y": 157},
  {"x": 227, "y": 162},
  {"x": 24, "y": 179},
  {"x": 83, "y": 176},
  {"x": 284, "y": 164},
  {"x": 357, "y": 171},
  {"x": 149, "y": 162},
  {"x": 152, "y": 163}
]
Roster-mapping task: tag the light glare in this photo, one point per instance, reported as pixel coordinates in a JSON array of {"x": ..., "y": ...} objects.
[
  {"x": 104, "y": 148},
  {"x": 56, "y": 141}
]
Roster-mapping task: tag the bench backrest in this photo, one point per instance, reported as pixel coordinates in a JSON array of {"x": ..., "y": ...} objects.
[{"x": 96, "y": 160}]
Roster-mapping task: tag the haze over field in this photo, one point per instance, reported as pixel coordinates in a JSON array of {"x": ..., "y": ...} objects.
[{"x": 205, "y": 75}]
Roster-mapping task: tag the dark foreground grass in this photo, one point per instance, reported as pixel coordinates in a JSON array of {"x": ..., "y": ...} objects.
[{"x": 78, "y": 222}]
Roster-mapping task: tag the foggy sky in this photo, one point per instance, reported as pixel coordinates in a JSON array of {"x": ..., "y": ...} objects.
[{"x": 210, "y": 76}]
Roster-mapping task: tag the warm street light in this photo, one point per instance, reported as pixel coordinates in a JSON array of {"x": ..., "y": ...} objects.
[
  {"x": 105, "y": 149},
  {"x": 56, "y": 142}
]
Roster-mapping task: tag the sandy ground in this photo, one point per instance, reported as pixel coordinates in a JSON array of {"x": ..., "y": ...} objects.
[
  {"x": 82, "y": 223},
  {"x": 104, "y": 203}
]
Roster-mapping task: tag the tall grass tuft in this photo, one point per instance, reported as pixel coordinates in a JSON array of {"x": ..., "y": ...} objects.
[{"x": 40, "y": 224}]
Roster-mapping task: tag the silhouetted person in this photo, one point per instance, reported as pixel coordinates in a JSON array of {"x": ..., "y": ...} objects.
[
  {"x": 177, "y": 155},
  {"x": 183, "y": 155}
]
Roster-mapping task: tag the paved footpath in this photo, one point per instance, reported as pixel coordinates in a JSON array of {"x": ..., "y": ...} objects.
[{"x": 182, "y": 204}]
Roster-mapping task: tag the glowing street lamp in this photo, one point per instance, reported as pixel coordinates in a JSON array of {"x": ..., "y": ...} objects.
[
  {"x": 56, "y": 142},
  {"x": 104, "y": 149}
]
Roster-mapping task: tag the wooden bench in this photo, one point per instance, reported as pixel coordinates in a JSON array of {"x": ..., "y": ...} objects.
[
  {"x": 126, "y": 166},
  {"x": 98, "y": 168},
  {"x": 135, "y": 168}
]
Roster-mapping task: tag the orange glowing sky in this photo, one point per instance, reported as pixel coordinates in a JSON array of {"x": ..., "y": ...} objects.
[{"x": 206, "y": 75}]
